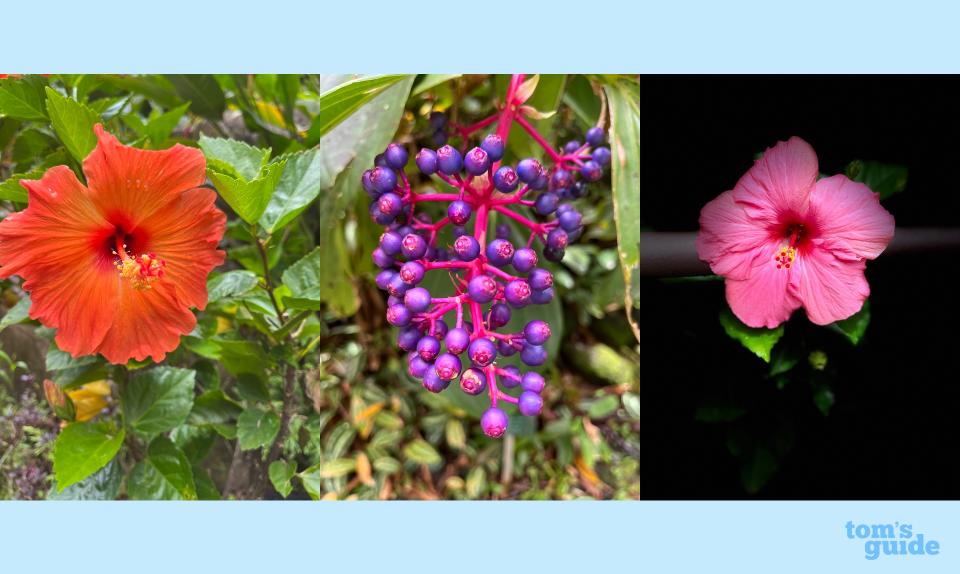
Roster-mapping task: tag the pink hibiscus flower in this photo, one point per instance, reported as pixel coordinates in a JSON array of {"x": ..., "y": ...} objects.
[{"x": 782, "y": 239}]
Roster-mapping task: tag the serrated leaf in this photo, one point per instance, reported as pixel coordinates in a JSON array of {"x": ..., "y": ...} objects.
[
  {"x": 11, "y": 189},
  {"x": 82, "y": 449},
  {"x": 281, "y": 472},
  {"x": 16, "y": 314},
  {"x": 230, "y": 284},
  {"x": 73, "y": 123},
  {"x": 23, "y": 98},
  {"x": 257, "y": 428},
  {"x": 101, "y": 485},
  {"x": 338, "y": 103},
  {"x": 855, "y": 326},
  {"x": 165, "y": 474},
  {"x": 305, "y": 174},
  {"x": 212, "y": 408},
  {"x": 759, "y": 341},
  {"x": 245, "y": 159},
  {"x": 158, "y": 399},
  {"x": 421, "y": 452}
]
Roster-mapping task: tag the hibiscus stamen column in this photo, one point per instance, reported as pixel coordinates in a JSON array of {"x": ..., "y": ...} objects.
[{"x": 485, "y": 292}]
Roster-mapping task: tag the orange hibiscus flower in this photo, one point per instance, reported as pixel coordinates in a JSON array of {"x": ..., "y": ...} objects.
[{"x": 116, "y": 265}]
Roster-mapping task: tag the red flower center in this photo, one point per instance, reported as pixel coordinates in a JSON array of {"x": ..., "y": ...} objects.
[{"x": 141, "y": 270}]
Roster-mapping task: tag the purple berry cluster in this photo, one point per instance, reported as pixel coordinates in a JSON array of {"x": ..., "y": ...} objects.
[{"x": 492, "y": 277}]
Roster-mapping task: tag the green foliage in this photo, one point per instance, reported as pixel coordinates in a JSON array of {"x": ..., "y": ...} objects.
[
  {"x": 758, "y": 340},
  {"x": 82, "y": 449},
  {"x": 158, "y": 399},
  {"x": 73, "y": 123}
]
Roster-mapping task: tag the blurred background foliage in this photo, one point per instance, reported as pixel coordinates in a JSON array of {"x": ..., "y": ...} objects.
[{"x": 309, "y": 398}]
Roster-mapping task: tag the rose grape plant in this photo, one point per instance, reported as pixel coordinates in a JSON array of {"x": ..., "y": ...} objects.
[{"x": 189, "y": 271}]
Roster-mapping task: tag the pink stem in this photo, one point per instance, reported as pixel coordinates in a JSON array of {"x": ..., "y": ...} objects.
[
  {"x": 532, "y": 225},
  {"x": 539, "y": 139}
]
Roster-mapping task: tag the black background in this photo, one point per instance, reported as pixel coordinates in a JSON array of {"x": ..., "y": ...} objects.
[{"x": 892, "y": 433}]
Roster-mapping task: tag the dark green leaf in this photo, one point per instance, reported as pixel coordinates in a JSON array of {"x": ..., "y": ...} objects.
[
  {"x": 854, "y": 327},
  {"x": 760, "y": 341},
  {"x": 757, "y": 469},
  {"x": 885, "y": 179},
  {"x": 281, "y": 472},
  {"x": 82, "y": 449},
  {"x": 338, "y": 103},
  {"x": 213, "y": 407},
  {"x": 203, "y": 92},
  {"x": 230, "y": 284},
  {"x": 206, "y": 489},
  {"x": 305, "y": 174},
  {"x": 73, "y": 123},
  {"x": 158, "y": 129},
  {"x": 101, "y": 485},
  {"x": 158, "y": 399},
  {"x": 257, "y": 428},
  {"x": 16, "y": 314},
  {"x": 319, "y": 278},
  {"x": 428, "y": 81},
  {"x": 165, "y": 474}
]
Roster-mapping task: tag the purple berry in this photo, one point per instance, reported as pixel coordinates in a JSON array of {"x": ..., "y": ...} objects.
[
  {"x": 408, "y": 338},
  {"x": 494, "y": 422},
  {"x": 390, "y": 242},
  {"x": 459, "y": 211},
  {"x": 554, "y": 254},
  {"x": 500, "y": 252},
  {"x": 595, "y": 136},
  {"x": 390, "y": 204},
  {"x": 541, "y": 297},
  {"x": 433, "y": 383},
  {"x": 511, "y": 377},
  {"x": 427, "y": 161},
  {"x": 546, "y": 203},
  {"x": 384, "y": 278},
  {"x": 601, "y": 155},
  {"x": 505, "y": 179},
  {"x": 449, "y": 160},
  {"x": 493, "y": 145},
  {"x": 439, "y": 138},
  {"x": 466, "y": 248},
  {"x": 416, "y": 366},
  {"x": 447, "y": 366},
  {"x": 396, "y": 156},
  {"x": 399, "y": 316},
  {"x": 457, "y": 340},
  {"x": 378, "y": 216},
  {"x": 383, "y": 179},
  {"x": 570, "y": 220},
  {"x": 412, "y": 272},
  {"x": 476, "y": 161},
  {"x": 439, "y": 330},
  {"x": 413, "y": 246},
  {"x": 578, "y": 190},
  {"x": 528, "y": 170},
  {"x": 428, "y": 348},
  {"x": 572, "y": 146},
  {"x": 473, "y": 381},
  {"x": 381, "y": 259},
  {"x": 532, "y": 382},
  {"x": 536, "y": 332},
  {"x": 517, "y": 293},
  {"x": 533, "y": 355},
  {"x": 482, "y": 352},
  {"x": 540, "y": 279},
  {"x": 524, "y": 259},
  {"x": 368, "y": 184},
  {"x": 506, "y": 348},
  {"x": 541, "y": 182},
  {"x": 561, "y": 179},
  {"x": 417, "y": 300},
  {"x": 499, "y": 315},
  {"x": 530, "y": 404},
  {"x": 396, "y": 287},
  {"x": 591, "y": 171},
  {"x": 502, "y": 231},
  {"x": 438, "y": 120},
  {"x": 482, "y": 289},
  {"x": 557, "y": 239}
]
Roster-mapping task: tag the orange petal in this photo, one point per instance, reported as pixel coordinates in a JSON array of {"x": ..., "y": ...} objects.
[
  {"x": 148, "y": 323},
  {"x": 185, "y": 235},
  {"x": 136, "y": 183},
  {"x": 49, "y": 244}
]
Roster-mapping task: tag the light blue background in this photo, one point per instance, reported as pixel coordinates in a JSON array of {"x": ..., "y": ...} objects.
[
  {"x": 488, "y": 537},
  {"x": 488, "y": 36},
  {"x": 454, "y": 36}
]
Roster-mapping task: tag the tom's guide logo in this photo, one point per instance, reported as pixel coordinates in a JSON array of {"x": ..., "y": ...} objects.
[{"x": 892, "y": 539}]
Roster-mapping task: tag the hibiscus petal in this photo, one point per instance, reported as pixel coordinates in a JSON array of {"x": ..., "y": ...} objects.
[
  {"x": 780, "y": 181},
  {"x": 729, "y": 239},
  {"x": 136, "y": 183},
  {"x": 847, "y": 211},
  {"x": 830, "y": 288},
  {"x": 768, "y": 296},
  {"x": 185, "y": 235},
  {"x": 148, "y": 323},
  {"x": 49, "y": 245}
]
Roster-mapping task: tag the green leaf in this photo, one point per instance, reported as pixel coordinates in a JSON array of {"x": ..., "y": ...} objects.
[
  {"x": 69, "y": 372},
  {"x": 631, "y": 402},
  {"x": 213, "y": 407},
  {"x": 476, "y": 482},
  {"x": 16, "y": 314},
  {"x": 158, "y": 399},
  {"x": 101, "y": 485},
  {"x": 623, "y": 98},
  {"x": 158, "y": 129},
  {"x": 338, "y": 103},
  {"x": 603, "y": 407},
  {"x": 206, "y": 489},
  {"x": 305, "y": 174},
  {"x": 165, "y": 474},
  {"x": 257, "y": 428},
  {"x": 204, "y": 93},
  {"x": 823, "y": 397},
  {"x": 428, "y": 81},
  {"x": 885, "y": 179},
  {"x": 854, "y": 327},
  {"x": 547, "y": 94},
  {"x": 760, "y": 341},
  {"x": 73, "y": 123},
  {"x": 248, "y": 198},
  {"x": 580, "y": 97},
  {"x": 82, "y": 449},
  {"x": 242, "y": 356},
  {"x": 246, "y": 160},
  {"x": 23, "y": 98},
  {"x": 281, "y": 472},
  {"x": 12, "y": 190},
  {"x": 230, "y": 284},
  {"x": 311, "y": 282},
  {"x": 420, "y": 452},
  {"x": 757, "y": 469}
]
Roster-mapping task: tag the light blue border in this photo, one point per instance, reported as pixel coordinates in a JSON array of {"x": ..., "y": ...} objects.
[
  {"x": 456, "y": 36},
  {"x": 487, "y": 537}
]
